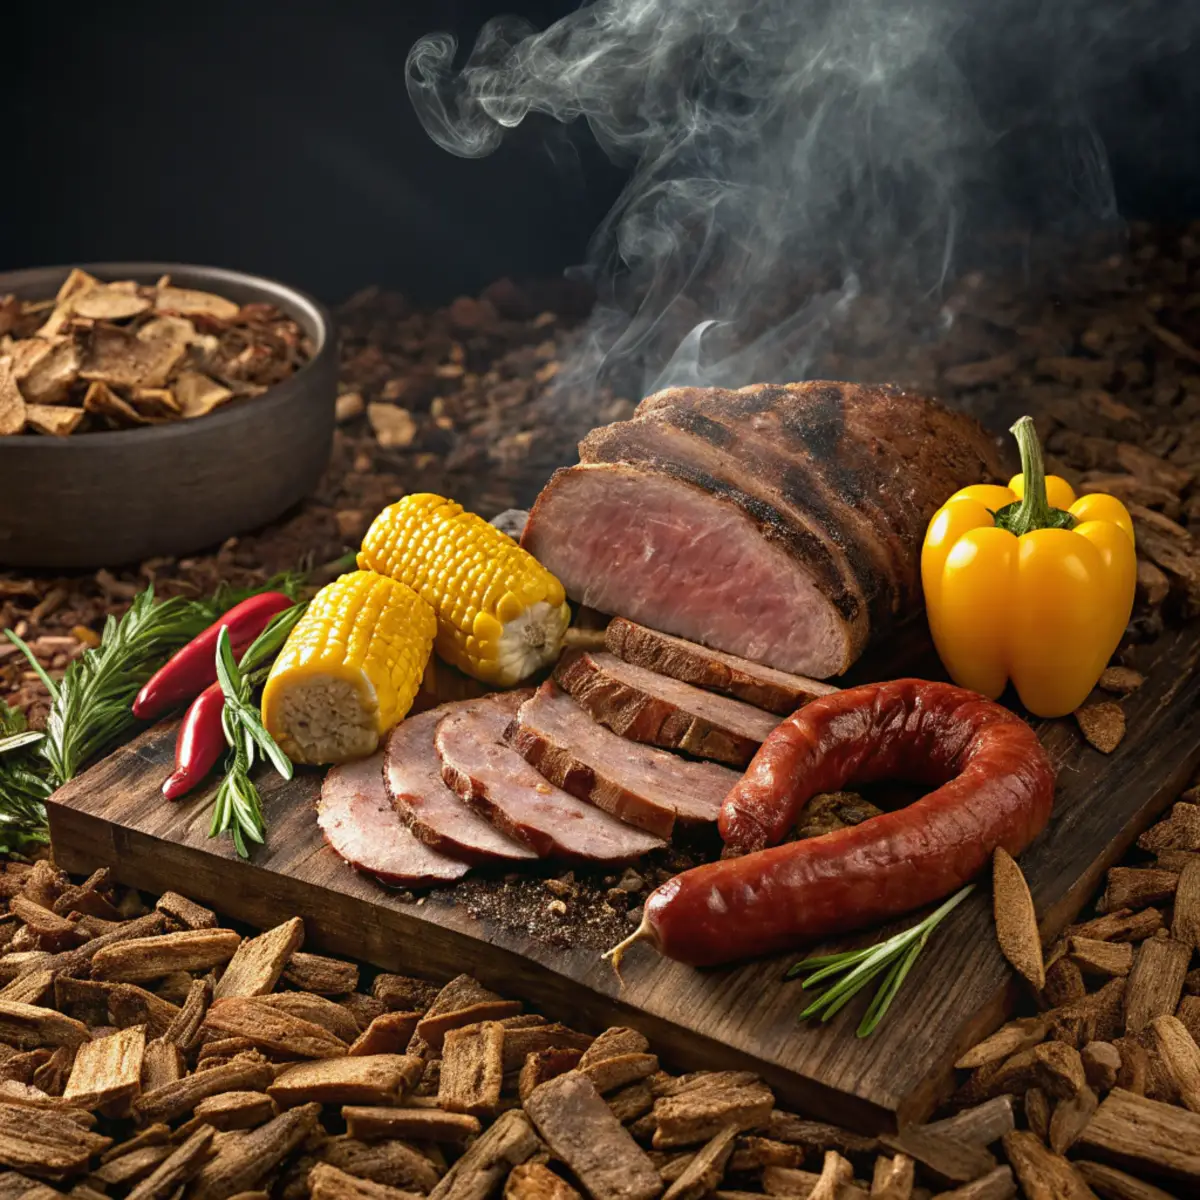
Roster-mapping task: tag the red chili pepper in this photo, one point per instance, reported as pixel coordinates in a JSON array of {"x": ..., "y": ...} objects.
[
  {"x": 190, "y": 670},
  {"x": 199, "y": 744}
]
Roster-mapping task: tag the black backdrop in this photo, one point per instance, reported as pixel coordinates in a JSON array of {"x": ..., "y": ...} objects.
[{"x": 276, "y": 136}]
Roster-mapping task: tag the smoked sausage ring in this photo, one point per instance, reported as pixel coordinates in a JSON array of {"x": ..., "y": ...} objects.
[{"x": 993, "y": 786}]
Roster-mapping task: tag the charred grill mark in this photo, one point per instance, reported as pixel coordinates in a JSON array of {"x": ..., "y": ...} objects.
[
  {"x": 692, "y": 421},
  {"x": 775, "y": 527}
]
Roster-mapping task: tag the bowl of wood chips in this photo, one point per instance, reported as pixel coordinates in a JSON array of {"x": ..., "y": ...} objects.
[{"x": 155, "y": 409}]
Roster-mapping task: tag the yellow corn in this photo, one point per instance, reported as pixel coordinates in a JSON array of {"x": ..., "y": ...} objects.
[
  {"x": 349, "y": 670},
  {"x": 500, "y": 614}
]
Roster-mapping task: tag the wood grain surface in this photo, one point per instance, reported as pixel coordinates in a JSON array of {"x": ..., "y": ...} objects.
[{"x": 743, "y": 1016}]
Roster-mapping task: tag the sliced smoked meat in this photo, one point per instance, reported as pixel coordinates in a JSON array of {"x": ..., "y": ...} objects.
[
  {"x": 647, "y": 707},
  {"x": 494, "y": 779},
  {"x": 646, "y": 543},
  {"x": 640, "y": 785},
  {"x": 427, "y": 806},
  {"x": 764, "y": 687},
  {"x": 685, "y": 437},
  {"x": 356, "y": 816}
]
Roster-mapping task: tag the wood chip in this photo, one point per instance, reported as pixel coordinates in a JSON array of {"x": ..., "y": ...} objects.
[
  {"x": 189, "y": 914},
  {"x": 522, "y": 1042},
  {"x": 31, "y": 988},
  {"x": 152, "y": 957},
  {"x": 44, "y": 1142},
  {"x": 1102, "y": 724},
  {"x": 982, "y": 1125},
  {"x": 614, "y": 1041},
  {"x": 1064, "y": 983},
  {"x": 543, "y": 1066},
  {"x": 472, "y": 1069},
  {"x": 507, "y": 1143},
  {"x": 533, "y": 1181},
  {"x": 892, "y": 1178},
  {"x": 12, "y": 403},
  {"x": 1016, "y": 921},
  {"x": 130, "y": 1005},
  {"x": 1106, "y": 959},
  {"x": 326, "y": 1182},
  {"x": 107, "y": 1069},
  {"x": 609, "y": 1074},
  {"x": 1180, "y": 831},
  {"x": 316, "y": 973},
  {"x": 377, "y": 1079},
  {"x": 272, "y": 1029},
  {"x": 161, "y": 1064},
  {"x": 1098, "y": 1016},
  {"x": 421, "y": 1124},
  {"x": 1145, "y": 1135},
  {"x": 250, "y": 1157},
  {"x": 1180, "y": 1056},
  {"x": 1069, "y": 1118},
  {"x": 259, "y": 962},
  {"x": 1137, "y": 887},
  {"x": 152, "y": 1135},
  {"x": 697, "y": 1115},
  {"x": 1185, "y": 924},
  {"x": 173, "y": 1100},
  {"x": 1112, "y": 1184},
  {"x": 752, "y": 1153},
  {"x": 1101, "y": 1064},
  {"x": 319, "y": 1011},
  {"x": 816, "y": 1137},
  {"x": 403, "y": 993},
  {"x": 1156, "y": 981},
  {"x": 1021, "y": 1034},
  {"x": 235, "y": 1110},
  {"x": 580, "y": 1130},
  {"x": 631, "y": 1102},
  {"x": 1121, "y": 680},
  {"x": 29, "y": 1026},
  {"x": 946, "y": 1160},
  {"x": 54, "y": 932},
  {"x": 434, "y": 1026},
  {"x": 996, "y": 1185},
  {"x": 181, "y": 1165},
  {"x": 129, "y": 1168},
  {"x": 184, "y": 1030},
  {"x": 392, "y": 1163},
  {"x": 389, "y": 1033},
  {"x": 706, "y": 1168},
  {"x": 1043, "y": 1175}
]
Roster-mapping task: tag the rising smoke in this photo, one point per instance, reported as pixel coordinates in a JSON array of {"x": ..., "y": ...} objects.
[{"x": 804, "y": 166}]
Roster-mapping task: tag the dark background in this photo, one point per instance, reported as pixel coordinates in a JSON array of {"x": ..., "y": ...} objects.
[{"x": 277, "y": 136}]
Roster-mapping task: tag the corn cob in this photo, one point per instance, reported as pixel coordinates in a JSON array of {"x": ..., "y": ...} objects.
[
  {"x": 349, "y": 670},
  {"x": 500, "y": 614}
]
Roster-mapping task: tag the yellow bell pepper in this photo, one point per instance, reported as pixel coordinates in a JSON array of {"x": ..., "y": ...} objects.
[{"x": 1030, "y": 584}]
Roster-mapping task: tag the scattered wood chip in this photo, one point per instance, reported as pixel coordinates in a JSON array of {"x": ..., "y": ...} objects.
[
  {"x": 1156, "y": 981},
  {"x": 534, "y": 1181},
  {"x": 505, "y": 1144},
  {"x": 1185, "y": 924},
  {"x": 107, "y": 1069},
  {"x": 152, "y": 957},
  {"x": 1069, "y": 1118},
  {"x": 403, "y": 993},
  {"x": 130, "y": 1005},
  {"x": 544, "y": 1065},
  {"x": 521, "y": 1042},
  {"x": 892, "y": 1178},
  {"x": 982, "y": 1125},
  {"x": 1102, "y": 724},
  {"x": 1022, "y": 1034},
  {"x": 816, "y": 1137},
  {"x": 1145, "y": 1135},
  {"x": 1016, "y": 921},
  {"x": 1180, "y": 831},
  {"x": 631, "y": 1102},
  {"x": 614, "y": 1041},
  {"x": 173, "y": 1100},
  {"x": 996, "y": 1185},
  {"x": 946, "y": 1160},
  {"x": 249, "y": 1157},
  {"x": 1101, "y": 1065},
  {"x": 706, "y": 1168},
  {"x": 317, "y": 1010},
  {"x": 1180, "y": 1056},
  {"x": 324, "y": 976},
  {"x": 434, "y": 1026},
  {"x": 45, "y": 1143},
  {"x": 272, "y": 1029},
  {"x": 619, "y": 1071},
  {"x": 129, "y": 1168},
  {"x": 1064, "y": 983},
  {"x": 580, "y": 1130},
  {"x": 472, "y": 1069},
  {"x": 697, "y": 1115},
  {"x": 188, "y": 913},
  {"x": 30, "y": 1026},
  {"x": 235, "y": 1110},
  {"x": 326, "y": 1182},
  {"x": 1106, "y": 959},
  {"x": 1112, "y": 1184},
  {"x": 423, "y": 1124},
  {"x": 1137, "y": 887},
  {"x": 377, "y": 1079},
  {"x": 161, "y": 1064},
  {"x": 1043, "y": 1175},
  {"x": 392, "y": 1162},
  {"x": 259, "y": 962},
  {"x": 389, "y": 1033}
]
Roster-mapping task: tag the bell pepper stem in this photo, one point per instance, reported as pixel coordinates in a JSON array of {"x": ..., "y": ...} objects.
[{"x": 1033, "y": 511}]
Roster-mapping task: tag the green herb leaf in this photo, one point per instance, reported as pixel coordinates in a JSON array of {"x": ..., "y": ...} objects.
[
  {"x": 38, "y": 669},
  {"x": 895, "y": 955},
  {"x": 17, "y": 741},
  {"x": 267, "y": 645}
]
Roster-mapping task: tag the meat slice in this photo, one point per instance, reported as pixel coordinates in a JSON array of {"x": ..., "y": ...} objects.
[
  {"x": 356, "y": 816},
  {"x": 645, "y": 787},
  {"x": 838, "y": 554},
  {"x": 428, "y": 807},
  {"x": 494, "y": 779},
  {"x": 646, "y": 707},
  {"x": 646, "y": 543},
  {"x": 764, "y": 687}
]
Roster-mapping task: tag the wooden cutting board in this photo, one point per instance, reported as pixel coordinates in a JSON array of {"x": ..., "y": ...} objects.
[{"x": 744, "y": 1016}]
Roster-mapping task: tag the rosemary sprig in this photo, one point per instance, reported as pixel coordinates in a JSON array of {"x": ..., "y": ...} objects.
[
  {"x": 857, "y": 968},
  {"x": 89, "y": 707},
  {"x": 237, "y": 809},
  {"x": 22, "y": 788}
]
